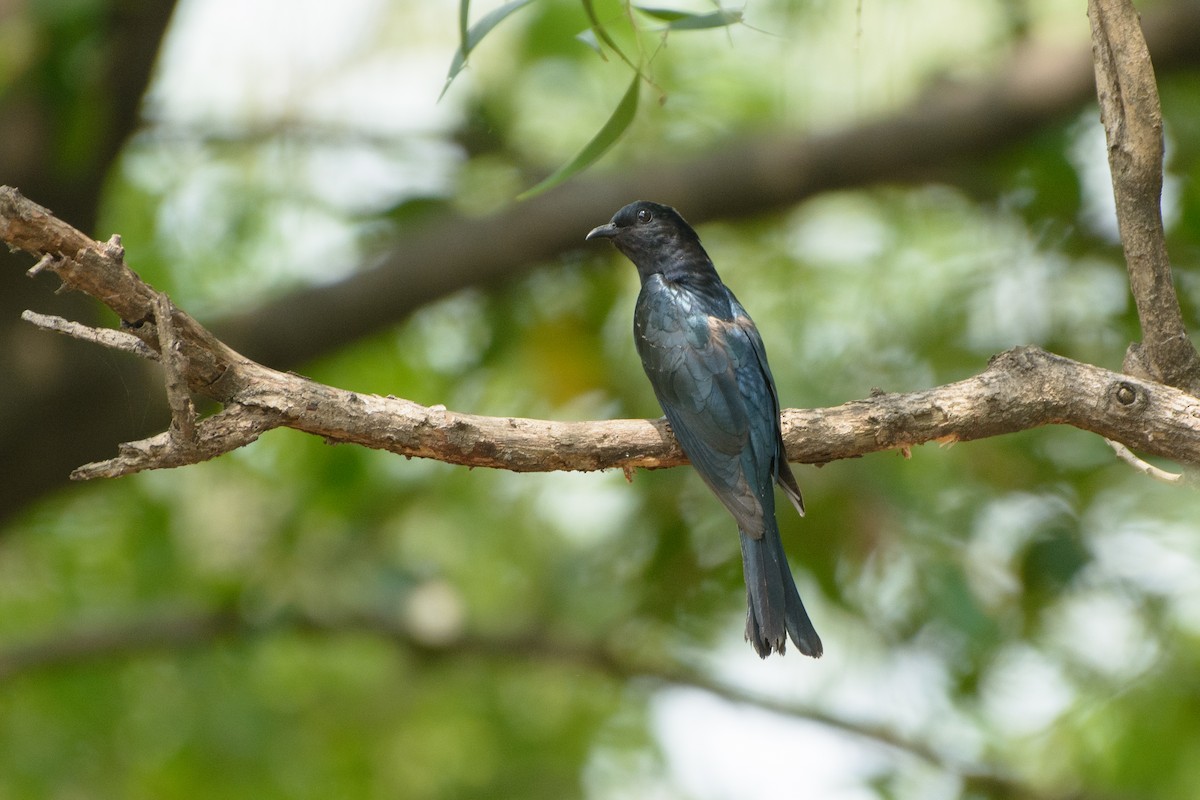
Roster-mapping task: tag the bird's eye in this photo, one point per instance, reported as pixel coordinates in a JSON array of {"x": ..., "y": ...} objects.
[{"x": 644, "y": 215}]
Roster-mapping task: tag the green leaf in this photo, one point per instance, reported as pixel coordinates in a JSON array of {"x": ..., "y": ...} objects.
[
  {"x": 603, "y": 36},
  {"x": 474, "y": 35},
  {"x": 588, "y": 37},
  {"x": 599, "y": 145},
  {"x": 464, "y": 19},
  {"x": 664, "y": 14},
  {"x": 687, "y": 21}
]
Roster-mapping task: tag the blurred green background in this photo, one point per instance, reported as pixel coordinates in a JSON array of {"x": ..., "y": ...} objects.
[{"x": 1016, "y": 617}]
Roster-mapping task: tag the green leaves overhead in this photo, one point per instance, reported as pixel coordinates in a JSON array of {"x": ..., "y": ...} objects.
[
  {"x": 598, "y": 38},
  {"x": 470, "y": 37},
  {"x": 600, "y": 143},
  {"x": 602, "y": 35},
  {"x": 688, "y": 21}
]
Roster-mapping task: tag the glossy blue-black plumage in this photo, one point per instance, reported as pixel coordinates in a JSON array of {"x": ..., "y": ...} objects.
[{"x": 707, "y": 365}]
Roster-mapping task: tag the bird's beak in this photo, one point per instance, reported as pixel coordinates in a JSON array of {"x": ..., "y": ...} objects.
[{"x": 605, "y": 231}]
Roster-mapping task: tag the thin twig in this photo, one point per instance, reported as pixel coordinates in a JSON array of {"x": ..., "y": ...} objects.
[
  {"x": 1146, "y": 468},
  {"x": 106, "y": 337},
  {"x": 233, "y": 427},
  {"x": 45, "y": 261}
]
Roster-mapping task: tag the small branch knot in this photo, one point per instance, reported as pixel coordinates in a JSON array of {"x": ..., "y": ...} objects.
[
  {"x": 1126, "y": 394},
  {"x": 114, "y": 249}
]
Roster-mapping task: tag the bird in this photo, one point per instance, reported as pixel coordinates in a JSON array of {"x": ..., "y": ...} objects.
[{"x": 707, "y": 365}]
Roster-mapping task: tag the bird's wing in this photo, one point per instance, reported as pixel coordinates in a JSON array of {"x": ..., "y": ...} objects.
[
  {"x": 711, "y": 384},
  {"x": 783, "y": 472}
]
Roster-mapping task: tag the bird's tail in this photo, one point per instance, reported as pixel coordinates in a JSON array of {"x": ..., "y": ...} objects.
[{"x": 775, "y": 609}]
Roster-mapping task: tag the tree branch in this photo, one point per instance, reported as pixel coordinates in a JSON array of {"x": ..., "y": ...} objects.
[
  {"x": 233, "y": 427},
  {"x": 1021, "y": 389},
  {"x": 183, "y": 413},
  {"x": 105, "y": 337},
  {"x": 1132, "y": 117},
  {"x": 52, "y": 420},
  {"x": 1125, "y": 454}
]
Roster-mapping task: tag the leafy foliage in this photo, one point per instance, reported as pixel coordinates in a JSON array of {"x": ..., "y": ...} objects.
[
  {"x": 473, "y": 35},
  {"x": 598, "y": 38}
]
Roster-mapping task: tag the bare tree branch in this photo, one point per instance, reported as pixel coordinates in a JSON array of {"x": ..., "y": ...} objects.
[
  {"x": 88, "y": 403},
  {"x": 233, "y": 427},
  {"x": 1144, "y": 467},
  {"x": 105, "y": 337},
  {"x": 1021, "y": 389},
  {"x": 1132, "y": 117}
]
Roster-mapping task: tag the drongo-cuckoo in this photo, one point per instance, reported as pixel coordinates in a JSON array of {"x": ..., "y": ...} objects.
[{"x": 706, "y": 362}]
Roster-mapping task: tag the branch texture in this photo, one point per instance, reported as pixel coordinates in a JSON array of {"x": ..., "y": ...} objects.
[{"x": 1021, "y": 389}]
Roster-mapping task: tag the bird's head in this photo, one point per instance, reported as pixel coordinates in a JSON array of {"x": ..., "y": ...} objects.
[{"x": 654, "y": 237}]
